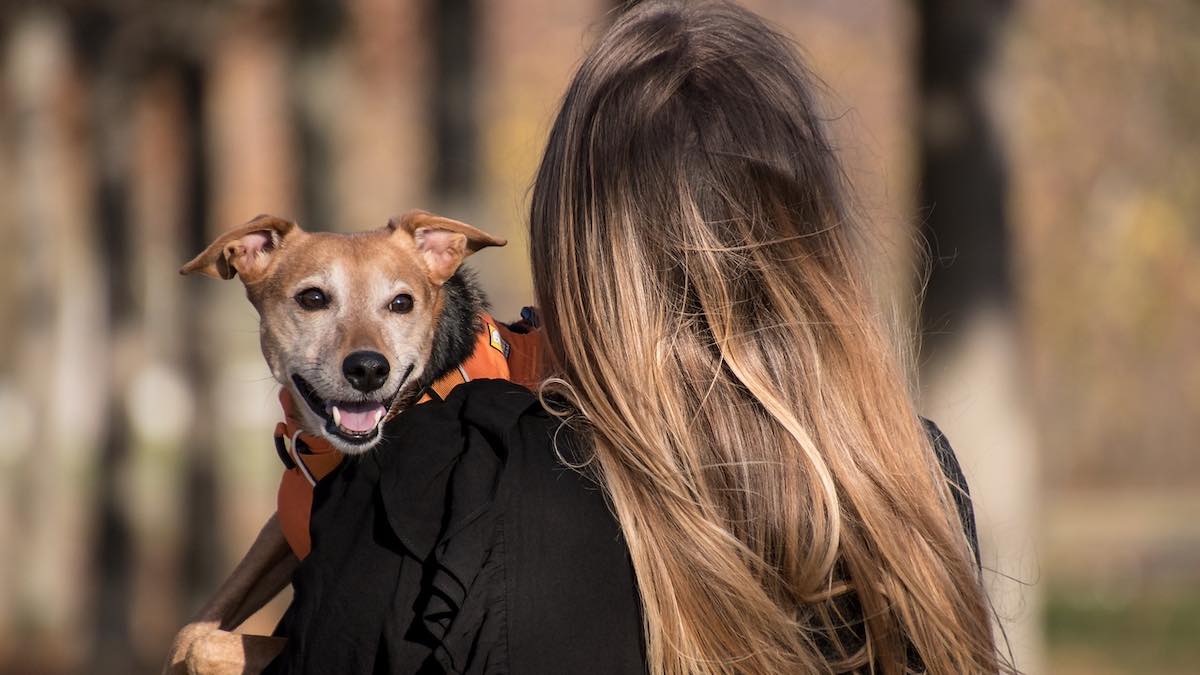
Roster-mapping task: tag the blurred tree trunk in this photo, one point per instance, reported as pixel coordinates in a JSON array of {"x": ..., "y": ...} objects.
[
  {"x": 98, "y": 40},
  {"x": 964, "y": 182},
  {"x": 455, "y": 180},
  {"x": 975, "y": 373},
  {"x": 202, "y": 551},
  {"x": 34, "y": 134},
  {"x": 315, "y": 27},
  {"x": 56, "y": 281}
]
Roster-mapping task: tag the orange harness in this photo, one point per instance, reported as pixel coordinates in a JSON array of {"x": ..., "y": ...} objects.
[{"x": 500, "y": 353}]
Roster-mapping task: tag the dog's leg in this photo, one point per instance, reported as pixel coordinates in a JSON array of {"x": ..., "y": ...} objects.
[
  {"x": 265, "y": 569},
  {"x": 270, "y": 582}
]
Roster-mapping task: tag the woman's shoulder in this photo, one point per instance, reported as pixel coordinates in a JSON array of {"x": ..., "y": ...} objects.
[
  {"x": 490, "y": 445},
  {"x": 957, "y": 481},
  {"x": 570, "y": 595},
  {"x": 544, "y": 480},
  {"x": 529, "y": 446}
]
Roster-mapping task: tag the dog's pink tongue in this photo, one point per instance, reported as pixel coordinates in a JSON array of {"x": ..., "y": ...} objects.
[{"x": 360, "y": 419}]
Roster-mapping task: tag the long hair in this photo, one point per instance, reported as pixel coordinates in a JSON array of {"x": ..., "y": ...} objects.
[{"x": 707, "y": 316}]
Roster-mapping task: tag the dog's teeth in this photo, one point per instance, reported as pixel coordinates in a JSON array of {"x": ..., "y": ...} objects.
[
  {"x": 378, "y": 416},
  {"x": 337, "y": 416}
]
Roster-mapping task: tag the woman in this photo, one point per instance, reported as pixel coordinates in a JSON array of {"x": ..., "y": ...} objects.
[{"x": 731, "y": 477}]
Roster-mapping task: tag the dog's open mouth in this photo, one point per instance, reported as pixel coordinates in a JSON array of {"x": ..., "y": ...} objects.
[{"x": 355, "y": 422}]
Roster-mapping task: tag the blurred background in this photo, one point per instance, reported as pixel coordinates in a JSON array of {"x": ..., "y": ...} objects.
[{"x": 1045, "y": 152}]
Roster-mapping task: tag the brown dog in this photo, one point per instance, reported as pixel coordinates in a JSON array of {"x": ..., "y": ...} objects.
[{"x": 355, "y": 326}]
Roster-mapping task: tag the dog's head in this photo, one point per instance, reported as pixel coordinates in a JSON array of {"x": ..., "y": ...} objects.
[{"x": 347, "y": 320}]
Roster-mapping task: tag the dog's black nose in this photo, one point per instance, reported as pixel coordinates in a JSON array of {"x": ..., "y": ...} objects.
[{"x": 367, "y": 371}]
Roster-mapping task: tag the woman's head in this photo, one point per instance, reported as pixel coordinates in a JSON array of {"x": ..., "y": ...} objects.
[
  {"x": 707, "y": 315},
  {"x": 689, "y": 135}
]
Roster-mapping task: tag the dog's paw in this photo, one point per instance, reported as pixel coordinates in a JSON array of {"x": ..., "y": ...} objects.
[
  {"x": 216, "y": 653},
  {"x": 220, "y": 652},
  {"x": 177, "y": 657}
]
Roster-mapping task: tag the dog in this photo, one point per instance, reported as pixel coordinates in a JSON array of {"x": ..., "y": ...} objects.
[{"x": 355, "y": 328}]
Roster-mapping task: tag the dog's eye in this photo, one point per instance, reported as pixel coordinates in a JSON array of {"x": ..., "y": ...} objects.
[
  {"x": 312, "y": 299},
  {"x": 401, "y": 304}
]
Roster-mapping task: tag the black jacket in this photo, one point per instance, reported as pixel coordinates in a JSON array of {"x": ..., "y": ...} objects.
[{"x": 464, "y": 545}]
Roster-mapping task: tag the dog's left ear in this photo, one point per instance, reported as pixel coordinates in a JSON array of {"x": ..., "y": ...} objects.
[
  {"x": 245, "y": 250},
  {"x": 443, "y": 243}
]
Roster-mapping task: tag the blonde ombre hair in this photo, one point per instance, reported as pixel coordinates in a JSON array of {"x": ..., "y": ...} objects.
[{"x": 711, "y": 329}]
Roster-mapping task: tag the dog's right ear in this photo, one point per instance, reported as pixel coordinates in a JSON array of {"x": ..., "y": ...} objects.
[
  {"x": 442, "y": 243},
  {"x": 246, "y": 250}
]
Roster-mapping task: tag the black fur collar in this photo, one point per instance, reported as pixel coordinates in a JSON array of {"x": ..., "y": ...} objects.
[{"x": 458, "y": 326}]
